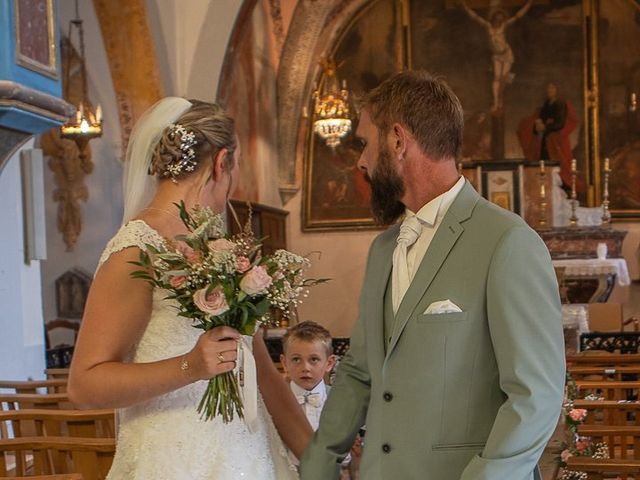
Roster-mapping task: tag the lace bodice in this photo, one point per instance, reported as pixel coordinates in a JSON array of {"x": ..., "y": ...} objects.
[{"x": 164, "y": 438}]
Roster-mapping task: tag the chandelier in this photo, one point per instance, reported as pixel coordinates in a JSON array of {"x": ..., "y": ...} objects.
[
  {"x": 331, "y": 107},
  {"x": 86, "y": 124}
]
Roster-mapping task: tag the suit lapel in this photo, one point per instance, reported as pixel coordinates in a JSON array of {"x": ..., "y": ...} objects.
[
  {"x": 381, "y": 273},
  {"x": 443, "y": 241}
]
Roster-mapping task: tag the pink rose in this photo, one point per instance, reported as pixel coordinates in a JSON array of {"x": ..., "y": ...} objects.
[
  {"x": 256, "y": 281},
  {"x": 578, "y": 414},
  {"x": 565, "y": 455},
  {"x": 178, "y": 281},
  {"x": 582, "y": 445},
  {"x": 243, "y": 264},
  {"x": 189, "y": 253},
  {"x": 221, "y": 245},
  {"x": 213, "y": 303}
]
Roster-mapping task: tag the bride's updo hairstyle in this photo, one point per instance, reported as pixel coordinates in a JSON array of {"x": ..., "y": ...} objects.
[{"x": 193, "y": 139}]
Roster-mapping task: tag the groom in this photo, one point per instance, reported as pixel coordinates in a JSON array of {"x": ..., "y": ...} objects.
[{"x": 456, "y": 363}]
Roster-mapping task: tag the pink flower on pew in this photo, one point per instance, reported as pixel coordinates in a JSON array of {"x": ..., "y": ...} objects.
[
  {"x": 565, "y": 455},
  {"x": 578, "y": 414},
  {"x": 583, "y": 444}
]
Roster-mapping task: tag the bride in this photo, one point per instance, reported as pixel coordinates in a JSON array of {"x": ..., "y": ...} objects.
[{"x": 135, "y": 354}]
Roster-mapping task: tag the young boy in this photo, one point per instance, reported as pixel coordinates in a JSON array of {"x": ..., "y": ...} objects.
[{"x": 307, "y": 357}]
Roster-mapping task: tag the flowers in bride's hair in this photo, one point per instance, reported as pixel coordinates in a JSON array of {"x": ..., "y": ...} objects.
[
  {"x": 212, "y": 302},
  {"x": 256, "y": 281},
  {"x": 215, "y": 279}
]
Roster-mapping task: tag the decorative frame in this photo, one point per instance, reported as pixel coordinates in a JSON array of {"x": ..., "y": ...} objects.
[
  {"x": 336, "y": 195},
  {"x": 72, "y": 289},
  {"x": 36, "y": 40},
  {"x": 502, "y": 184}
]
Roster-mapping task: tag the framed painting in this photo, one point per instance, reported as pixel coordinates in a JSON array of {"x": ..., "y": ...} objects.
[
  {"x": 35, "y": 36},
  {"x": 617, "y": 124},
  {"x": 336, "y": 194},
  {"x": 518, "y": 68},
  {"x": 502, "y": 185}
]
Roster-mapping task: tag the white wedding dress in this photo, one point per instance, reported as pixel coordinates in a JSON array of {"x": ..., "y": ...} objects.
[{"x": 164, "y": 438}]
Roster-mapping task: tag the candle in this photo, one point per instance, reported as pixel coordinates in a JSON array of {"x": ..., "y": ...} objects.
[
  {"x": 574, "y": 165},
  {"x": 606, "y": 165},
  {"x": 541, "y": 166}
]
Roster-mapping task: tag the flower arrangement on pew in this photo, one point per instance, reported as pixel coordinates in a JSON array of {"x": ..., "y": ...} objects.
[
  {"x": 216, "y": 279},
  {"x": 576, "y": 445}
]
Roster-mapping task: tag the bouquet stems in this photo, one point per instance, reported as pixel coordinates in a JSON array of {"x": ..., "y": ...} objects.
[{"x": 222, "y": 397}]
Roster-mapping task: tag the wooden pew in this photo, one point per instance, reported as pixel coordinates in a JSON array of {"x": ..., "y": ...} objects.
[
  {"x": 611, "y": 390},
  {"x": 623, "y": 441},
  {"x": 33, "y": 386},
  {"x": 603, "y": 359},
  {"x": 56, "y": 373},
  {"x": 92, "y": 457},
  {"x": 64, "y": 476},
  {"x": 610, "y": 412},
  {"x": 55, "y": 423},
  {"x": 600, "y": 373},
  {"x": 14, "y": 401},
  {"x": 597, "y": 469}
]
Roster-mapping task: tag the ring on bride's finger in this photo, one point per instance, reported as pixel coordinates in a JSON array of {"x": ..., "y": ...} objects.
[{"x": 220, "y": 358}]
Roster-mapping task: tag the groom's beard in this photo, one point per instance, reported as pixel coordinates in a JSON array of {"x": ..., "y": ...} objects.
[{"x": 387, "y": 188}]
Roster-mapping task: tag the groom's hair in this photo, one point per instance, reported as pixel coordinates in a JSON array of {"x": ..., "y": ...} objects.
[
  {"x": 308, "y": 331},
  {"x": 423, "y": 104}
]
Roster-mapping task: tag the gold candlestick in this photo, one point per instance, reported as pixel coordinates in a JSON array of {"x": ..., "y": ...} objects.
[
  {"x": 606, "y": 214},
  {"x": 573, "y": 220},
  {"x": 542, "y": 220}
]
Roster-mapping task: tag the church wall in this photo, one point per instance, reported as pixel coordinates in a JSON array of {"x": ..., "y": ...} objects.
[
  {"x": 22, "y": 348},
  {"x": 102, "y": 212}
]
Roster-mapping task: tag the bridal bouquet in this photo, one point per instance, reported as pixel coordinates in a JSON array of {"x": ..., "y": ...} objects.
[{"x": 219, "y": 279}]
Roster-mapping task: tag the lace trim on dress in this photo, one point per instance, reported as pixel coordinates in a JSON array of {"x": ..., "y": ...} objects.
[{"x": 136, "y": 233}]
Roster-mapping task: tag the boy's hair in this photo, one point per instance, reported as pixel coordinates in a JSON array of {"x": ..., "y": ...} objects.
[{"x": 308, "y": 331}]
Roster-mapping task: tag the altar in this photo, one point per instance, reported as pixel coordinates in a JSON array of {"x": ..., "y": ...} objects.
[{"x": 591, "y": 280}]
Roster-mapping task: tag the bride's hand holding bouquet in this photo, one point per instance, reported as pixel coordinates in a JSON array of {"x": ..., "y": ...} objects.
[{"x": 218, "y": 280}]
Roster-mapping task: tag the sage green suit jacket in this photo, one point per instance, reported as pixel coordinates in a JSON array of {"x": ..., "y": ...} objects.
[{"x": 470, "y": 396}]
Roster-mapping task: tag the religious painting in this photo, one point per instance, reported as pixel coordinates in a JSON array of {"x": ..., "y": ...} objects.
[
  {"x": 517, "y": 67},
  {"x": 504, "y": 187},
  {"x": 72, "y": 288},
  {"x": 618, "y": 54},
  {"x": 336, "y": 194},
  {"x": 35, "y": 36}
]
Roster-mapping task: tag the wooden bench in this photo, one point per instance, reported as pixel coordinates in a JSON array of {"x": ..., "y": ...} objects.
[
  {"x": 603, "y": 359},
  {"x": 15, "y": 401},
  {"x": 611, "y": 390},
  {"x": 64, "y": 476},
  {"x": 600, "y": 373},
  {"x": 56, "y": 373},
  {"x": 610, "y": 412},
  {"x": 600, "y": 469},
  {"x": 92, "y": 457},
  {"x": 33, "y": 386}
]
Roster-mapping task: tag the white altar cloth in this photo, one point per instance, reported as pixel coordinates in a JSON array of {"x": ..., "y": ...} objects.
[{"x": 590, "y": 267}]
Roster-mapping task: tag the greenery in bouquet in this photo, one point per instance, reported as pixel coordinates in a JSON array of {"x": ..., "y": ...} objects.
[{"x": 216, "y": 279}]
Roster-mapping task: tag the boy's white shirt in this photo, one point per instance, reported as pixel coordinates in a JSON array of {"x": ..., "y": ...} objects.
[{"x": 311, "y": 411}]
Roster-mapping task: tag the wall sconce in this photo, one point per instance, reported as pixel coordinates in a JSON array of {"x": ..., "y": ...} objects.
[{"x": 331, "y": 115}]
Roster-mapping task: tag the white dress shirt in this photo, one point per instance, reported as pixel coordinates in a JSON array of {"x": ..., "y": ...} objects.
[
  {"x": 311, "y": 401},
  {"x": 430, "y": 216}
]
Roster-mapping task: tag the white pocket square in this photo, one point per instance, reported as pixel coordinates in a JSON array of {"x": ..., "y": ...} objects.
[{"x": 443, "y": 306}]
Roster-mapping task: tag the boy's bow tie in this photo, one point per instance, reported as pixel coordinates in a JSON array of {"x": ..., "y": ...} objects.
[{"x": 312, "y": 399}]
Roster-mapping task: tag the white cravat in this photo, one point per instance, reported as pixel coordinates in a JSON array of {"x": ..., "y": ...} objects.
[{"x": 409, "y": 232}]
